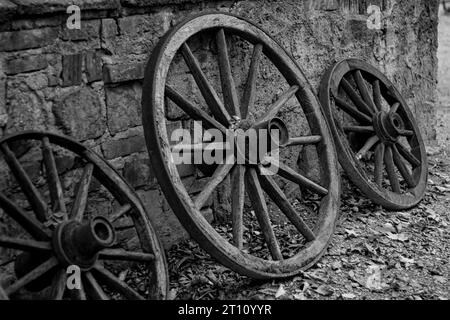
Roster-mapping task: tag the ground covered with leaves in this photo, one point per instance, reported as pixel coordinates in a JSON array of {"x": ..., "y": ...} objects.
[{"x": 374, "y": 254}]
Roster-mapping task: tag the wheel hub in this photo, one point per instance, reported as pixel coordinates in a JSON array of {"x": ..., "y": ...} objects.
[
  {"x": 78, "y": 243},
  {"x": 388, "y": 126}
]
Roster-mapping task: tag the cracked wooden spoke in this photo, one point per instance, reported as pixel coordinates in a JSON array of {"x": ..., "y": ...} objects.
[
  {"x": 250, "y": 88},
  {"x": 24, "y": 244},
  {"x": 407, "y": 155},
  {"x": 228, "y": 86},
  {"x": 80, "y": 203},
  {"x": 115, "y": 283},
  {"x": 262, "y": 214},
  {"x": 404, "y": 171},
  {"x": 377, "y": 98},
  {"x": 59, "y": 284},
  {"x": 32, "y": 275},
  {"x": 277, "y": 105},
  {"x": 120, "y": 212},
  {"x": 237, "y": 202},
  {"x": 289, "y": 174},
  {"x": 277, "y": 195},
  {"x": 394, "y": 108},
  {"x": 123, "y": 255},
  {"x": 31, "y": 192},
  {"x": 30, "y": 224},
  {"x": 306, "y": 140},
  {"x": 379, "y": 164},
  {"x": 362, "y": 87},
  {"x": 196, "y": 113},
  {"x": 54, "y": 184},
  {"x": 392, "y": 175},
  {"x": 357, "y": 100},
  {"x": 352, "y": 112},
  {"x": 367, "y": 146},
  {"x": 93, "y": 288},
  {"x": 359, "y": 129},
  {"x": 208, "y": 92},
  {"x": 219, "y": 175}
]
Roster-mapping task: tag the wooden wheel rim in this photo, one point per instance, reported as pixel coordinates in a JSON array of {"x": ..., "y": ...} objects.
[
  {"x": 167, "y": 174},
  {"x": 123, "y": 193},
  {"x": 386, "y": 198}
]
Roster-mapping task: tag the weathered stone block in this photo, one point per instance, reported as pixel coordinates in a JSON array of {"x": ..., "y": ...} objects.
[
  {"x": 108, "y": 34},
  {"x": 90, "y": 30},
  {"x": 80, "y": 114},
  {"x": 93, "y": 66},
  {"x": 53, "y": 6},
  {"x": 27, "y": 39},
  {"x": 26, "y": 64},
  {"x": 72, "y": 69},
  {"x": 138, "y": 172},
  {"x": 123, "y": 147},
  {"x": 114, "y": 73},
  {"x": 123, "y": 107},
  {"x": 7, "y": 9}
]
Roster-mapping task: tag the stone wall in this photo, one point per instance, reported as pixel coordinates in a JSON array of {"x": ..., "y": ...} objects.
[{"x": 87, "y": 83}]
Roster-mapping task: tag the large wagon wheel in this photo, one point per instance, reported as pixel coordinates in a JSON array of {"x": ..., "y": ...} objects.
[
  {"x": 47, "y": 227},
  {"x": 230, "y": 115},
  {"x": 379, "y": 144}
]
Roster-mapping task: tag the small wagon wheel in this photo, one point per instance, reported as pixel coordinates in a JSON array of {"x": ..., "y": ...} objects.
[
  {"x": 50, "y": 231},
  {"x": 379, "y": 144},
  {"x": 234, "y": 116}
]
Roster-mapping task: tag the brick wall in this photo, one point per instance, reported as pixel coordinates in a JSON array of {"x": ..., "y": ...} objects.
[{"x": 87, "y": 83}]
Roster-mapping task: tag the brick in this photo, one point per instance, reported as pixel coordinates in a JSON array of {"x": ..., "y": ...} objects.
[
  {"x": 80, "y": 114},
  {"x": 122, "y": 147},
  {"x": 26, "y": 64},
  {"x": 90, "y": 30},
  {"x": 72, "y": 69},
  {"x": 93, "y": 66},
  {"x": 54, "y": 6},
  {"x": 27, "y": 39},
  {"x": 123, "y": 107},
  {"x": 115, "y": 73}
]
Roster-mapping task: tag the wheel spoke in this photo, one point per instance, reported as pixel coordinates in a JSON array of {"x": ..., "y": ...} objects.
[
  {"x": 237, "y": 201},
  {"x": 359, "y": 129},
  {"x": 59, "y": 284},
  {"x": 388, "y": 160},
  {"x": 277, "y": 105},
  {"x": 262, "y": 213},
  {"x": 404, "y": 171},
  {"x": 303, "y": 141},
  {"x": 289, "y": 174},
  {"x": 377, "y": 95},
  {"x": 115, "y": 283},
  {"x": 219, "y": 175},
  {"x": 79, "y": 205},
  {"x": 407, "y": 155},
  {"x": 250, "y": 87},
  {"x": 192, "y": 111},
  {"x": 32, "y": 275},
  {"x": 94, "y": 289},
  {"x": 379, "y": 166},
  {"x": 34, "y": 197},
  {"x": 277, "y": 195},
  {"x": 208, "y": 92},
  {"x": 123, "y": 255},
  {"x": 351, "y": 111},
  {"x": 367, "y": 146},
  {"x": 394, "y": 108},
  {"x": 362, "y": 87},
  {"x": 228, "y": 86},
  {"x": 54, "y": 184},
  {"x": 357, "y": 100},
  {"x": 30, "y": 224},
  {"x": 24, "y": 245},
  {"x": 406, "y": 133},
  {"x": 78, "y": 294},
  {"x": 3, "y": 295}
]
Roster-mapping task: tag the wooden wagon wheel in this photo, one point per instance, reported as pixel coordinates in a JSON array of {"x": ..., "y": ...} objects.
[
  {"x": 234, "y": 116},
  {"x": 47, "y": 227},
  {"x": 379, "y": 144}
]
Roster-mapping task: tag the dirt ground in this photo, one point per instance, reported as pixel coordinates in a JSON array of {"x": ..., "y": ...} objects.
[{"x": 374, "y": 254}]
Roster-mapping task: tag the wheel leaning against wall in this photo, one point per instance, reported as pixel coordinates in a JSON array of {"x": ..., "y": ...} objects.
[
  {"x": 238, "y": 244},
  {"x": 109, "y": 248},
  {"x": 377, "y": 138}
]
